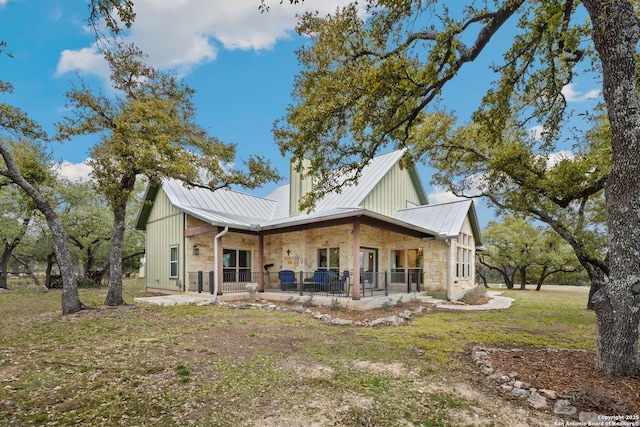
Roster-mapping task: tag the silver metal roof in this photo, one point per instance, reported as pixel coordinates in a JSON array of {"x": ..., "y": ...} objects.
[
  {"x": 446, "y": 219},
  {"x": 246, "y": 211}
]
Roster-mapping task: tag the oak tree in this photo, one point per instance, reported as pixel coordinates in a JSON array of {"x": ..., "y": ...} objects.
[
  {"x": 369, "y": 80},
  {"x": 147, "y": 129}
]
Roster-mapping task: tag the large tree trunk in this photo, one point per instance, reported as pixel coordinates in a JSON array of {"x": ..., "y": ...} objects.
[
  {"x": 4, "y": 263},
  {"x": 70, "y": 298},
  {"x": 543, "y": 276},
  {"x": 523, "y": 278},
  {"x": 114, "y": 295},
  {"x": 616, "y": 30}
]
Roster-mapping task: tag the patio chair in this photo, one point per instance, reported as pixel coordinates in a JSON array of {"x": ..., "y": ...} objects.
[
  {"x": 318, "y": 282},
  {"x": 287, "y": 280}
]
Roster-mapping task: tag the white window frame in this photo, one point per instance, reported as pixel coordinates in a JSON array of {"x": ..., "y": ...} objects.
[
  {"x": 174, "y": 249},
  {"x": 463, "y": 256}
]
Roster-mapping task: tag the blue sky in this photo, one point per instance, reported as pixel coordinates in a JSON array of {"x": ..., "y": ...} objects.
[{"x": 240, "y": 62}]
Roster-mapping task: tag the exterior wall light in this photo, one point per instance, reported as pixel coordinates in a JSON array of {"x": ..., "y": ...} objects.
[{"x": 196, "y": 250}]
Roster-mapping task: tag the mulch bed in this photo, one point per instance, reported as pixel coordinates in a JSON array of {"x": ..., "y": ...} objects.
[{"x": 572, "y": 372}]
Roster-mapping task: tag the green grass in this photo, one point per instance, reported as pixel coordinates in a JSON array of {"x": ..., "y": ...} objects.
[{"x": 208, "y": 366}]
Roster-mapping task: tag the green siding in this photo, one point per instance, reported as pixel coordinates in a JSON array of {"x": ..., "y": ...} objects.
[
  {"x": 298, "y": 187},
  {"x": 165, "y": 228},
  {"x": 393, "y": 192}
]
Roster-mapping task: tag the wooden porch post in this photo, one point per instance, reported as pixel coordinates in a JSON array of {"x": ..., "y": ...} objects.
[
  {"x": 356, "y": 259},
  {"x": 261, "y": 264}
]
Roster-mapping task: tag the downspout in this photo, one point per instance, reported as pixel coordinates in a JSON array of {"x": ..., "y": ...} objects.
[
  {"x": 216, "y": 243},
  {"x": 448, "y": 243}
]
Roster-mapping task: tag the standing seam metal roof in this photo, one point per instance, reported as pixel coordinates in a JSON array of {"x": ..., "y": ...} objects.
[{"x": 243, "y": 210}]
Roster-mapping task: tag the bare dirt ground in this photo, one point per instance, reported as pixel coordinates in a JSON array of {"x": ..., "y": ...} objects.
[
  {"x": 568, "y": 372},
  {"x": 124, "y": 366}
]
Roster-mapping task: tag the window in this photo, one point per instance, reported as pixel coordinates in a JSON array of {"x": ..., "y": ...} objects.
[
  {"x": 236, "y": 265},
  {"x": 173, "y": 262},
  {"x": 406, "y": 261},
  {"x": 329, "y": 259},
  {"x": 464, "y": 255}
]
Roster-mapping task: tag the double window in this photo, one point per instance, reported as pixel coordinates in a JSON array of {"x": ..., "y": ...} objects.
[{"x": 329, "y": 259}]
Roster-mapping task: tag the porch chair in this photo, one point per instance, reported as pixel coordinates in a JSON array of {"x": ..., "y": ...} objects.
[
  {"x": 318, "y": 282},
  {"x": 287, "y": 280}
]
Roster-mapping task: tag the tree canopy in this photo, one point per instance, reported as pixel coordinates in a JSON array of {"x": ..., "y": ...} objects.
[
  {"x": 373, "y": 80},
  {"x": 148, "y": 129}
]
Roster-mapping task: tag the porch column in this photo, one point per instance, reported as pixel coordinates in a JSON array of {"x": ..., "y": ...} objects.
[
  {"x": 261, "y": 266},
  {"x": 356, "y": 259},
  {"x": 218, "y": 258}
]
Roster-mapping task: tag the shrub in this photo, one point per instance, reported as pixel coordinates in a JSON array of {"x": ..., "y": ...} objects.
[
  {"x": 291, "y": 301},
  {"x": 308, "y": 302}
]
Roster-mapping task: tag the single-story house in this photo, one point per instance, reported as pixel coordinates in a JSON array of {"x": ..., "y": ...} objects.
[{"x": 381, "y": 233}]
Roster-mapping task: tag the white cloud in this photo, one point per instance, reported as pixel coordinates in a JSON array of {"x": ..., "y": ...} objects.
[
  {"x": 75, "y": 172},
  {"x": 572, "y": 95},
  {"x": 440, "y": 195},
  {"x": 556, "y": 158},
  {"x": 84, "y": 61},
  {"x": 181, "y": 34}
]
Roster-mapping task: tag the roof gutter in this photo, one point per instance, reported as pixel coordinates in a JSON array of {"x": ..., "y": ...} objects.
[{"x": 216, "y": 243}]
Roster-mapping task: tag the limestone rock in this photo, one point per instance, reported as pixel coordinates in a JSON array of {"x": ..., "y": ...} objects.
[
  {"x": 519, "y": 392},
  {"x": 549, "y": 394},
  {"x": 502, "y": 379},
  {"x": 325, "y": 318},
  {"x": 521, "y": 384},
  {"x": 537, "y": 401},
  {"x": 564, "y": 407}
]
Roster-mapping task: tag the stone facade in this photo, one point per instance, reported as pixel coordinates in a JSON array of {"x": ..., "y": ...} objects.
[{"x": 298, "y": 251}]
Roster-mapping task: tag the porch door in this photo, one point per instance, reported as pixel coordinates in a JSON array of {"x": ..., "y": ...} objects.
[{"x": 368, "y": 259}]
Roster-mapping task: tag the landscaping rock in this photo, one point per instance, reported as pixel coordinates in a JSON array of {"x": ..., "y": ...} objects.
[
  {"x": 325, "y": 318},
  {"x": 520, "y": 384},
  {"x": 502, "y": 379},
  {"x": 537, "y": 401},
  {"x": 519, "y": 392},
  {"x": 549, "y": 394},
  {"x": 564, "y": 407},
  {"x": 341, "y": 322}
]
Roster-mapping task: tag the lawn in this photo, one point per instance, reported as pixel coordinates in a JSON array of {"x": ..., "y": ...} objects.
[{"x": 210, "y": 366}]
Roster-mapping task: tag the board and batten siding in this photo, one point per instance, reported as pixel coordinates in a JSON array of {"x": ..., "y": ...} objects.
[
  {"x": 165, "y": 228},
  {"x": 392, "y": 192}
]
